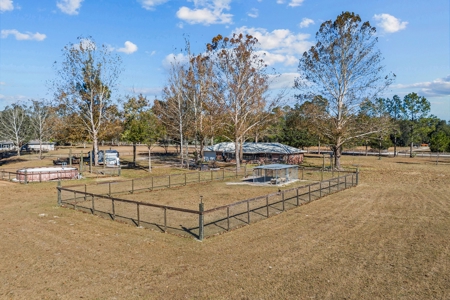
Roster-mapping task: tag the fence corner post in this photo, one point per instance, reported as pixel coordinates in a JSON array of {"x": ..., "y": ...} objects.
[
  {"x": 201, "y": 209},
  {"x": 26, "y": 177},
  {"x": 357, "y": 176},
  {"x": 59, "y": 192}
]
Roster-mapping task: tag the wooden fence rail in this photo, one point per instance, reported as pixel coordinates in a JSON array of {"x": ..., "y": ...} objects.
[{"x": 201, "y": 223}]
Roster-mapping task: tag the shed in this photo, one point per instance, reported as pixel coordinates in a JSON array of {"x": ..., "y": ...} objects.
[
  {"x": 34, "y": 145},
  {"x": 256, "y": 152},
  {"x": 275, "y": 174}
]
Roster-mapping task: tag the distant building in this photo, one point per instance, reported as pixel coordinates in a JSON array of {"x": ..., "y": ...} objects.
[
  {"x": 34, "y": 146},
  {"x": 7, "y": 146},
  {"x": 256, "y": 152}
]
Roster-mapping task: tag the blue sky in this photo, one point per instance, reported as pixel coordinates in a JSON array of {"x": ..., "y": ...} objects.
[{"x": 413, "y": 38}]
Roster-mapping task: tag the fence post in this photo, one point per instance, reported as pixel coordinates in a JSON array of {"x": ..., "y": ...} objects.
[
  {"x": 228, "y": 218},
  {"x": 201, "y": 209},
  {"x": 329, "y": 186},
  {"x": 339, "y": 184},
  {"x": 40, "y": 179},
  {"x": 59, "y": 192},
  {"x": 132, "y": 186},
  {"x": 85, "y": 192},
  {"x": 165, "y": 219},
  {"x": 267, "y": 205},
  {"x": 282, "y": 199},
  {"x": 169, "y": 181},
  {"x": 113, "y": 209},
  {"x": 245, "y": 170},
  {"x": 109, "y": 189},
  {"x": 352, "y": 179},
  {"x": 70, "y": 157},
  {"x": 303, "y": 169},
  {"x": 320, "y": 189},
  {"x": 138, "y": 216},
  {"x": 81, "y": 159},
  {"x": 152, "y": 183},
  {"x": 93, "y": 204},
  {"x": 297, "y": 195},
  {"x": 185, "y": 181},
  {"x": 357, "y": 176},
  {"x": 119, "y": 171},
  {"x": 90, "y": 162},
  {"x": 248, "y": 212},
  {"x": 223, "y": 173},
  {"x": 211, "y": 175},
  {"x": 309, "y": 193},
  {"x": 26, "y": 177}
]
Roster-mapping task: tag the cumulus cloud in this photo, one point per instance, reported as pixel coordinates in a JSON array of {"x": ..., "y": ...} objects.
[
  {"x": 306, "y": 22},
  {"x": 295, "y": 3},
  {"x": 280, "y": 45},
  {"x": 69, "y": 7},
  {"x": 129, "y": 48},
  {"x": 27, "y": 36},
  {"x": 389, "y": 23},
  {"x": 436, "y": 88},
  {"x": 292, "y": 3},
  {"x": 283, "y": 81},
  {"x": 170, "y": 59},
  {"x": 206, "y": 12},
  {"x": 6, "y": 5},
  {"x": 150, "y": 4},
  {"x": 253, "y": 13}
]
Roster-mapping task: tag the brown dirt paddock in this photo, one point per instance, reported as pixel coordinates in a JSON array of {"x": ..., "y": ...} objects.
[{"x": 385, "y": 239}]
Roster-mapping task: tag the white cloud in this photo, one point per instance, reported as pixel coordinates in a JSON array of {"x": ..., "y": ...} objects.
[
  {"x": 69, "y": 7},
  {"x": 293, "y": 3},
  {"x": 436, "y": 88},
  {"x": 6, "y": 5},
  {"x": 150, "y": 4},
  {"x": 389, "y": 23},
  {"x": 2, "y": 83},
  {"x": 129, "y": 48},
  {"x": 306, "y": 22},
  {"x": 253, "y": 13},
  {"x": 23, "y": 36},
  {"x": 280, "y": 41},
  {"x": 170, "y": 59},
  {"x": 206, "y": 12},
  {"x": 283, "y": 81}
]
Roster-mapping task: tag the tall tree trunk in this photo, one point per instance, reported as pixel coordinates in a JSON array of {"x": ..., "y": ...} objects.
[
  {"x": 395, "y": 145},
  {"x": 95, "y": 141},
  {"x": 149, "y": 159},
  {"x": 411, "y": 150},
  {"x": 236, "y": 153},
  {"x": 40, "y": 148},
  {"x": 337, "y": 155}
]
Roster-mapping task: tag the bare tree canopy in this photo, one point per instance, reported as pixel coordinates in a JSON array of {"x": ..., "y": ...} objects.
[
  {"x": 240, "y": 87},
  {"x": 41, "y": 124},
  {"x": 344, "y": 68},
  {"x": 86, "y": 78},
  {"x": 14, "y": 125}
]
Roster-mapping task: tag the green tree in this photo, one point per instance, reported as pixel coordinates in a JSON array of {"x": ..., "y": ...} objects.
[
  {"x": 415, "y": 111},
  {"x": 86, "y": 78},
  {"x": 395, "y": 109},
  {"x": 439, "y": 142},
  {"x": 344, "y": 67}
]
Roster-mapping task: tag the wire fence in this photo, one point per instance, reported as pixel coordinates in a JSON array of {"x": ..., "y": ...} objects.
[{"x": 199, "y": 223}]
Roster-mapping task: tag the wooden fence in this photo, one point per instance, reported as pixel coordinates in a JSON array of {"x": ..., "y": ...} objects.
[{"x": 200, "y": 223}]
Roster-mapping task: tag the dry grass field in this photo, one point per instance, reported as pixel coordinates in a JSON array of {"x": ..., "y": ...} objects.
[{"x": 385, "y": 239}]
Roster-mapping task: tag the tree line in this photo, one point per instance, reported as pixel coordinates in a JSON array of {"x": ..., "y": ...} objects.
[{"x": 223, "y": 94}]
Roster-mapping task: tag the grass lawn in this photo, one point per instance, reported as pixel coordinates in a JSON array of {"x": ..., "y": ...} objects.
[{"x": 385, "y": 239}]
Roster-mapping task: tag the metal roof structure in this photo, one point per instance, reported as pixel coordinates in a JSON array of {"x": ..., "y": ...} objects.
[
  {"x": 276, "y": 167},
  {"x": 253, "y": 148}
]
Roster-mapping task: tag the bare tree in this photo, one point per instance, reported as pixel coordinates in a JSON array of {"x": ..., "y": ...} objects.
[
  {"x": 240, "y": 87},
  {"x": 40, "y": 121},
  {"x": 175, "y": 110},
  {"x": 87, "y": 76},
  {"x": 14, "y": 125},
  {"x": 344, "y": 67}
]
